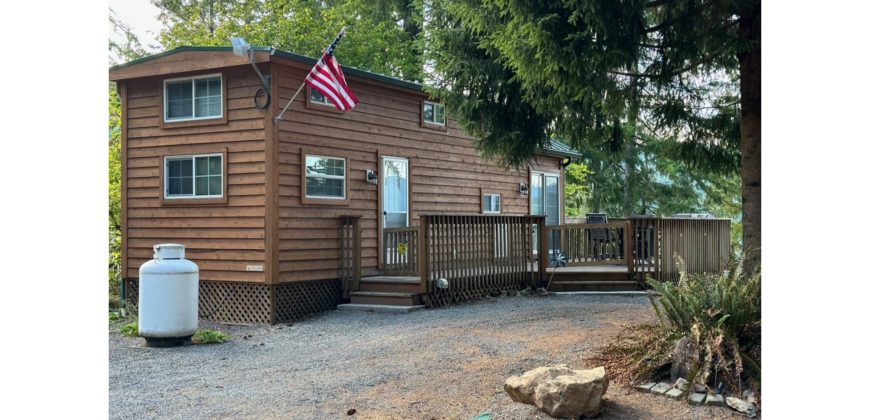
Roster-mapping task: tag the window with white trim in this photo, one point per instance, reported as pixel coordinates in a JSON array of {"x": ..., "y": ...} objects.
[
  {"x": 195, "y": 98},
  {"x": 492, "y": 203},
  {"x": 195, "y": 176},
  {"x": 319, "y": 98},
  {"x": 325, "y": 177},
  {"x": 433, "y": 113}
]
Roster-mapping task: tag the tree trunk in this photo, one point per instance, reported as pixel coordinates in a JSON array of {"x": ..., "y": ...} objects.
[{"x": 750, "y": 136}]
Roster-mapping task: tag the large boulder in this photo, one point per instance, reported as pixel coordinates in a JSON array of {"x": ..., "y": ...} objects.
[
  {"x": 573, "y": 395},
  {"x": 521, "y": 388}
]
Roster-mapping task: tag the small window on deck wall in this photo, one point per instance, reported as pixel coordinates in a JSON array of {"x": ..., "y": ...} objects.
[
  {"x": 325, "y": 177},
  {"x": 491, "y": 203},
  {"x": 196, "y": 98},
  {"x": 197, "y": 176},
  {"x": 434, "y": 114}
]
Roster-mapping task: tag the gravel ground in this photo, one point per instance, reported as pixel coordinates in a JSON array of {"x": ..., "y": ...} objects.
[{"x": 430, "y": 364}]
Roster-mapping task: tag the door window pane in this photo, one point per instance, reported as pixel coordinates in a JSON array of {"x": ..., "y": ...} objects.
[{"x": 395, "y": 192}]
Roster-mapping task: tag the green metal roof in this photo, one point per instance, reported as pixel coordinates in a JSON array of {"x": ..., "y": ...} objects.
[
  {"x": 283, "y": 54},
  {"x": 558, "y": 148}
]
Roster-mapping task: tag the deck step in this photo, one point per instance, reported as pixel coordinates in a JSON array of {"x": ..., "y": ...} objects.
[
  {"x": 592, "y": 285},
  {"x": 378, "y": 308},
  {"x": 398, "y": 284},
  {"x": 385, "y": 298}
]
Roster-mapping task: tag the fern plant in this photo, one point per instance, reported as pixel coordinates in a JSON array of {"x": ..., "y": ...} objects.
[{"x": 721, "y": 313}]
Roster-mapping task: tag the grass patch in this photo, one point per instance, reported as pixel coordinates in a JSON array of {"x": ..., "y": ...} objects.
[
  {"x": 130, "y": 330},
  {"x": 209, "y": 337}
]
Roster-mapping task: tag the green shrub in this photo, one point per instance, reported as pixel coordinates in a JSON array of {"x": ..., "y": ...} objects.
[
  {"x": 130, "y": 330},
  {"x": 721, "y": 313},
  {"x": 209, "y": 337}
]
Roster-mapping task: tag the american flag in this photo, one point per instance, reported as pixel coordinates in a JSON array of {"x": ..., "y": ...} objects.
[{"x": 327, "y": 78}]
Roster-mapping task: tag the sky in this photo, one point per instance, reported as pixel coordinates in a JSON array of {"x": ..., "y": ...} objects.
[{"x": 141, "y": 17}]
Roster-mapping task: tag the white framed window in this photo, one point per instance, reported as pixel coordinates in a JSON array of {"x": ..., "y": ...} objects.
[
  {"x": 325, "y": 177},
  {"x": 433, "y": 113},
  {"x": 318, "y": 98},
  {"x": 492, "y": 203},
  {"x": 193, "y": 98},
  {"x": 193, "y": 176}
]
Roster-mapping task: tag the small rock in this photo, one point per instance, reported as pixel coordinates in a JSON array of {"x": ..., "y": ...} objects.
[
  {"x": 686, "y": 355},
  {"x": 715, "y": 400},
  {"x": 661, "y": 388},
  {"x": 681, "y": 384},
  {"x": 697, "y": 398},
  {"x": 749, "y": 396},
  {"x": 674, "y": 393},
  {"x": 741, "y": 406},
  {"x": 699, "y": 388},
  {"x": 351, "y": 412},
  {"x": 647, "y": 387}
]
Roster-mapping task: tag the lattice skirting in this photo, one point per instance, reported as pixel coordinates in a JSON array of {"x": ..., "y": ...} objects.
[
  {"x": 299, "y": 299},
  {"x": 251, "y": 303},
  {"x": 462, "y": 290}
]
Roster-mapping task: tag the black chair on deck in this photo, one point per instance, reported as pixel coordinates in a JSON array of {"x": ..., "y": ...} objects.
[{"x": 599, "y": 238}]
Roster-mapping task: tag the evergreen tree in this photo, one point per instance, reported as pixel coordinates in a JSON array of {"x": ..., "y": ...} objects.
[{"x": 518, "y": 72}]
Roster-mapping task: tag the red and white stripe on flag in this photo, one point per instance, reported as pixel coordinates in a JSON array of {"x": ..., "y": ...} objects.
[{"x": 327, "y": 78}]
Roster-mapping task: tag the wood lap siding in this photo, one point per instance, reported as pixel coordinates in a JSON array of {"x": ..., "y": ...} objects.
[
  {"x": 446, "y": 172},
  {"x": 223, "y": 239}
]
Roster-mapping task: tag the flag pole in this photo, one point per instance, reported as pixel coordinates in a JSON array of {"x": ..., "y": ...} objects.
[{"x": 329, "y": 49}]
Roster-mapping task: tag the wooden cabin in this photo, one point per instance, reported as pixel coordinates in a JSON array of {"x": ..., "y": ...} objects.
[
  {"x": 388, "y": 204},
  {"x": 300, "y": 216}
]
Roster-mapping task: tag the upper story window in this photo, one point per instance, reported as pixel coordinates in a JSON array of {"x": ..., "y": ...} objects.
[
  {"x": 325, "y": 177},
  {"x": 318, "y": 98},
  {"x": 433, "y": 113},
  {"x": 194, "y": 176},
  {"x": 492, "y": 203},
  {"x": 194, "y": 98}
]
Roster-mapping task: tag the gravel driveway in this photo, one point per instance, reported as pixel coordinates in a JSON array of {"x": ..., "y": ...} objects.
[{"x": 430, "y": 364}]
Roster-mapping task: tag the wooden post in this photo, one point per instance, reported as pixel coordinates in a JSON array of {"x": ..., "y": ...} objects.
[
  {"x": 628, "y": 248},
  {"x": 543, "y": 251},
  {"x": 423, "y": 253},
  {"x": 357, "y": 253}
]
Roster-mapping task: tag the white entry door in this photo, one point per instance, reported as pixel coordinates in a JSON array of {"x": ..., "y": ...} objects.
[{"x": 395, "y": 192}]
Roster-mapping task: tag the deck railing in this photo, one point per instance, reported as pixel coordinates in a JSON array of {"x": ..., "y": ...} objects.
[
  {"x": 475, "y": 254},
  {"x": 703, "y": 244},
  {"x": 589, "y": 244},
  {"x": 351, "y": 254},
  {"x": 400, "y": 251}
]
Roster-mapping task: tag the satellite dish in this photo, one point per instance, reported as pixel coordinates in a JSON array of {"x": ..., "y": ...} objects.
[{"x": 240, "y": 47}]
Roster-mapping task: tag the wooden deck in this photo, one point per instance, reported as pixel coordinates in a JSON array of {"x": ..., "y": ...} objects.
[{"x": 481, "y": 255}]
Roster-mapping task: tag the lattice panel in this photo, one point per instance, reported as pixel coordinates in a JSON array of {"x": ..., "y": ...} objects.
[
  {"x": 132, "y": 290},
  {"x": 300, "y": 299},
  {"x": 462, "y": 291},
  {"x": 245, "y": 303},
  {"x": 249, "y": 303}
]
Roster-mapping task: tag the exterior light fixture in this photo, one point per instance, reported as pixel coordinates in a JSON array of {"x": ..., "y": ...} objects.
[
  {"x": 241, "y": 48},
  {"x": 371, "y": 177},
  {"x": 524, "y": 189}
]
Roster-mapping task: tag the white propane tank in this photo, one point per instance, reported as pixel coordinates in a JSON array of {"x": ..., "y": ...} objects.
[{"x": 168, "y": 297}]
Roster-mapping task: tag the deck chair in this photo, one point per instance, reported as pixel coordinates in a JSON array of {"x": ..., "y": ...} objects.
[{"x": 599, "y": 238}]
